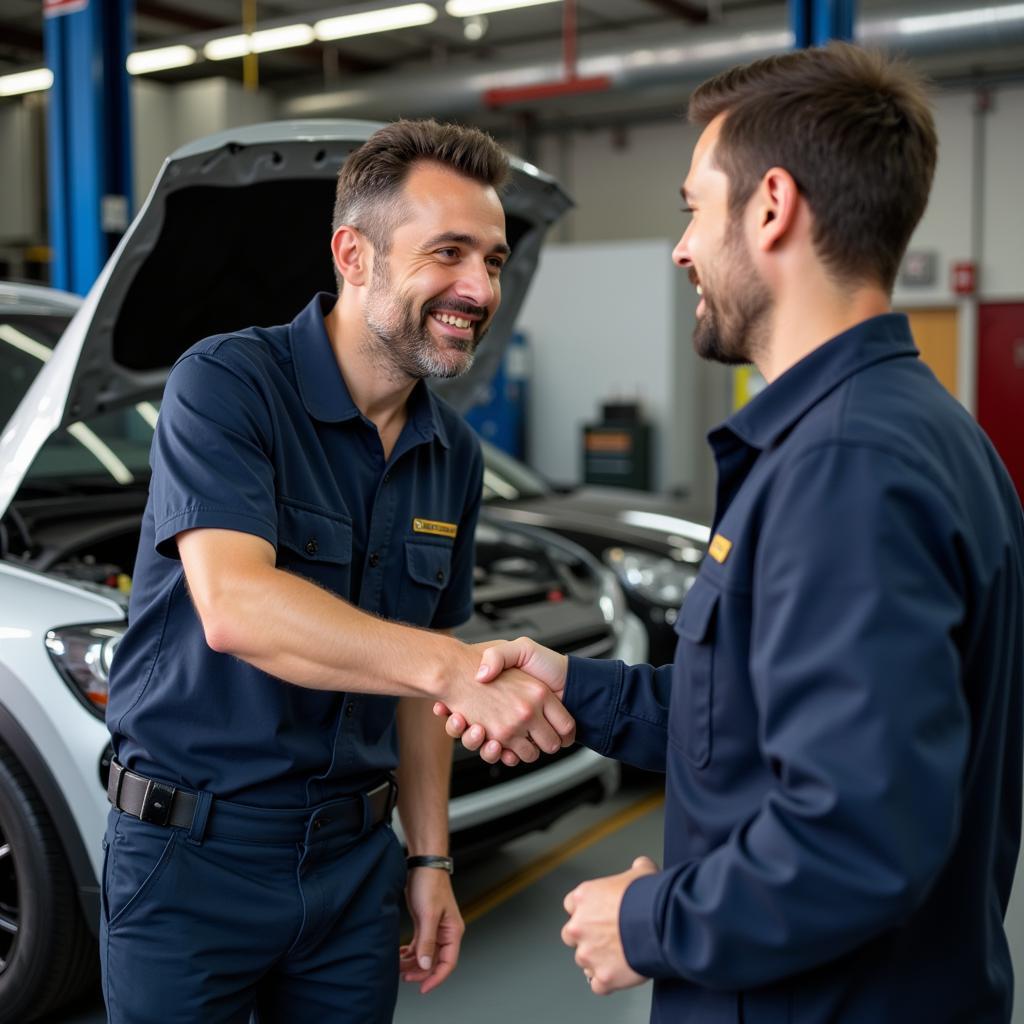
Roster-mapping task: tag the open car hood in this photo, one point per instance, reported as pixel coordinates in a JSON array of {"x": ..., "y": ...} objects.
[{"x": 235, "y": 232}]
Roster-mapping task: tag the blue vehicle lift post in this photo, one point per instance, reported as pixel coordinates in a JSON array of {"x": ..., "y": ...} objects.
[
  {"x": 88, "y": 139},
  {"x": 815, "y": 22}
]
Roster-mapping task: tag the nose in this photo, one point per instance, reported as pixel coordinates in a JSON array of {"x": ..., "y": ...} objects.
[
  {"x": 681, "y": 253},
  {"x": 477, "y": 284}
]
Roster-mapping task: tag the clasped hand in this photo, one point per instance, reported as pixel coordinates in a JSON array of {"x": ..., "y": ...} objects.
[{"x": 521, "y": 676}]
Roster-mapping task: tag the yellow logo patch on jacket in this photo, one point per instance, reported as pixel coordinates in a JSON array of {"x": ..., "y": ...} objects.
[
  {"x": 435, "y": 528},
  {"x": 720, "y": 548}
]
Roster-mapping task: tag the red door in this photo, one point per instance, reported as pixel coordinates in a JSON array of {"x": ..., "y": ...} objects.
[{"x": 1001, "y": 382}]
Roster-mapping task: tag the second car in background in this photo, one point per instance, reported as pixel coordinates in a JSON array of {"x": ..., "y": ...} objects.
[{"x": 653, "y": 544}]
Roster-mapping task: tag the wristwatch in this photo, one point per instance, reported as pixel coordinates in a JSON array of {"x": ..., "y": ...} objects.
[{"x": 431, "y": 861}]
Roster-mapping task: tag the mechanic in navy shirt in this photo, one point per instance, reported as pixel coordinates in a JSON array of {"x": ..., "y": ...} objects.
[
  {"x": 841, "y": 728},
  {"x": 249, "y": 861}
]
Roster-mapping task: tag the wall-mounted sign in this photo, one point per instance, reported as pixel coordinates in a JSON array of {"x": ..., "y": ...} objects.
[
  {"x": 964, "y": 277},
  {"x": 55, "y": 8},
  {"x": 918, "y": 268}
]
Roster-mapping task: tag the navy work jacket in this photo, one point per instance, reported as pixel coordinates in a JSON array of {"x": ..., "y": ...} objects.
[
  {"x": 259, "y": 434},
  {"x": 841, "y": 728}
]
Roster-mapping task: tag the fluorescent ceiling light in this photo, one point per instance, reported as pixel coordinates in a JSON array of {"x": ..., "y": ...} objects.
[
  {"x": 26, "y": 81},
  {"x": 281, "y": 38},
  {"x": 954, "y": 20},
  {"x": 469, "y": 8},
  {"x": 227, "y": 47},
  {"x": 366, "y": 23},
  {"x": 142, "y": 62}
]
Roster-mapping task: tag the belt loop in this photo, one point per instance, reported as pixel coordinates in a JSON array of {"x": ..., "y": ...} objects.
[
  {"x": 204, "y": 801},
  {"x": 364, "y": 798}
]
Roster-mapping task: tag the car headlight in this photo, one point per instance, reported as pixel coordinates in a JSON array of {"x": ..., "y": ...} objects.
[
  {"x": 82, "y": 656},
  {"x": 612, "y": 602},
  {"x": 662, "y": 581}
]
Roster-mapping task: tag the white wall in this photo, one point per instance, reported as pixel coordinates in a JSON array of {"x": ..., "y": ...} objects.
[
  {"x": 20, "y": 182},
  {"x": 165, "y": 118},
  {"x": 603, "y": 322},
  {"x": 1002, "y": 269}
]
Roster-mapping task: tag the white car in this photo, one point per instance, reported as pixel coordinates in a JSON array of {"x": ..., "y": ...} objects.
[{"x": 216, "y": 247}]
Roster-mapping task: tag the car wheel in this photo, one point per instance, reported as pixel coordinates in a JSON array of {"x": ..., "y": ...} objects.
[{"x": 47, "y": 955}]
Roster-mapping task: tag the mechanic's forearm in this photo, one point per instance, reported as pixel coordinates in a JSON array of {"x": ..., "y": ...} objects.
[
  {"x": 424, "y": 772},
  {"x": 295, "y": 630}
]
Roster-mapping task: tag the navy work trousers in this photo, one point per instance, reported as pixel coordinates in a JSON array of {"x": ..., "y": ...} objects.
[{"x": 292, "y": 915}]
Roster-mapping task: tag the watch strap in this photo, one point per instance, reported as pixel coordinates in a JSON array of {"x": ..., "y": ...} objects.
[{"x": 431, "y": 861}]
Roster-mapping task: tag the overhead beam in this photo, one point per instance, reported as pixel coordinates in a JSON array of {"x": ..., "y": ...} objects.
[{"x": 691, "y": 12}]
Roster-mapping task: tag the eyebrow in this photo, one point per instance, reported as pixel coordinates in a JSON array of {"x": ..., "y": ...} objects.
[{"x": 470, "y": 241}]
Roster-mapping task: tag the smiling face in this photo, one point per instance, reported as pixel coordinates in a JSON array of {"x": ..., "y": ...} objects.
[
  {"x": 735, "y": 306},
  {"x": 434, "y": 294}
]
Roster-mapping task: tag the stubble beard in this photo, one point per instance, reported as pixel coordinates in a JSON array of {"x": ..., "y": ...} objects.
[
  {"x": 400, "y": 343},
  {"x": 735, "y": 324}
]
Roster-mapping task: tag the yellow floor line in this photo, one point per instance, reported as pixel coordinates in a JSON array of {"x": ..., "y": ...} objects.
[{"x": 505, "y": 890}]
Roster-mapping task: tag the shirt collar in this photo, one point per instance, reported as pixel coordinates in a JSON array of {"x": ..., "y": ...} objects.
[
  {"x": 772, "y": 412},
  {"x": 322, "y": 386}
]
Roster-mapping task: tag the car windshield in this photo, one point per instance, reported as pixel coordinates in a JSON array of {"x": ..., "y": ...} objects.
[
  {"x": 105, "y": 450},
  {"x": 508, "y": 479},
  {"x": 109, "y": 449},
  {"x": 26, "y": 342}
]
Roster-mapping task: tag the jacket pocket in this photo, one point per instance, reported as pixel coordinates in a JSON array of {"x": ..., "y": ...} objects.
[
  {"x": 315, "y": 544},
  {"x": 427, "y": 568},
  {"x": 690, "y": 722}
]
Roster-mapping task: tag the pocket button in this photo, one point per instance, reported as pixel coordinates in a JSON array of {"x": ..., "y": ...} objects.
[
  {"x": 440, "y": 575},
  {"x": 311, "y": 546}
]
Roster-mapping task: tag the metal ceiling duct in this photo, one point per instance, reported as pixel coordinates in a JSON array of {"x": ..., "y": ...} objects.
[{"x": 641, "y": 60}]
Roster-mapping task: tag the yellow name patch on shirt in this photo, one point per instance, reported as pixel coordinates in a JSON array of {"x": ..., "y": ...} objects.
[
  {"x": 720, "y": 548},
  {"x": 434, "y": 528}
]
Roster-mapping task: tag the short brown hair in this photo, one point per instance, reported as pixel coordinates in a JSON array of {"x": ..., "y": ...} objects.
[
  {"x": 371, "y": 179},
  {"x": 855, "y": 130}
]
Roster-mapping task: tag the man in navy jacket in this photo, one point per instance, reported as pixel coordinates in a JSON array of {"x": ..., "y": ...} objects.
[{"x": 841, "y": 727}]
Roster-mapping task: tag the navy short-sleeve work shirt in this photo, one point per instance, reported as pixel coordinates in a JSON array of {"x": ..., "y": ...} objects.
[{"x": 258, "y": 433}]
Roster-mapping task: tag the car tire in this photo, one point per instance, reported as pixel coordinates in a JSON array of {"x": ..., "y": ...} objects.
[{"x": 47, "y": 955}]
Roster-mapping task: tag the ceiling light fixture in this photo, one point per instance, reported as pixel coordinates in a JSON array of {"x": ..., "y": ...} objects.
[
  {"x": 475, "y": 28},
  {"x": 386, "y": 19},
  {"x": 263, "y": 41},
  {"x": 469, "y": 8},
  {"x": 26, "y": 81},
  {"x": 142, "y": 62},
  {"x": 282, "y": 38},
  {"x": 227, "y": 47}
]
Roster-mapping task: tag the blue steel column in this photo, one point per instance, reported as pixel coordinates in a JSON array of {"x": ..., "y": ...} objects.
[
  {"x": 815, "y": 22},
  {"x": 88, "y": 136}
]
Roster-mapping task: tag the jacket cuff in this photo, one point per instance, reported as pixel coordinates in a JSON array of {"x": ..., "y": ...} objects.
[
  {"x": 591, "y": 696},
  {"x": 640, "y": 917}
]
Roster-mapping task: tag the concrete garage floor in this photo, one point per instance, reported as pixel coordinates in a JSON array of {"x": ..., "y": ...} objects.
[{"x": 513, "y": 964}]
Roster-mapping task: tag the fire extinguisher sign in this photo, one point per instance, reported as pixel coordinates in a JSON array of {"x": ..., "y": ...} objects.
[{"x": 965, "y": 278}]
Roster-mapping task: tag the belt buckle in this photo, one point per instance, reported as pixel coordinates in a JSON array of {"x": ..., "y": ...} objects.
[{"x": 156, "y": 804}]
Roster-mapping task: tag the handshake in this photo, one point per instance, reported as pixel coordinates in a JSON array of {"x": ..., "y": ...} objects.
[{"x": 512, "y": 709}]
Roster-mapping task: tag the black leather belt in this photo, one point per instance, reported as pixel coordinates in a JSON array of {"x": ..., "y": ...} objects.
[{"x": 160, "y": 804}]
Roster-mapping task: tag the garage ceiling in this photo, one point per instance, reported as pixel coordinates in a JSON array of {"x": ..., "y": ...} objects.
[{"x": 303, "y": 76}]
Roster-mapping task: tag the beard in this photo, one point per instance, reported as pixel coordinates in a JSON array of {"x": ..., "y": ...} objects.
[
  {"x": 735, "y": 323},
  {"x": 400, "y": 342}
]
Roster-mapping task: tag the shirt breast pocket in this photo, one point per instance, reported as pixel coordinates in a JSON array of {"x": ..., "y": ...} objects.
[
  {"x": 691, "y": 719},
  {"x": 317, "y": 545},
  {"x": 427, "y": 568}
]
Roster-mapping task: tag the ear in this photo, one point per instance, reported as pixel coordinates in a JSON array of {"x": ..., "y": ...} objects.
[
  {"x": 353, "y": 255},
  {"x": 777, "y": 203}
]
